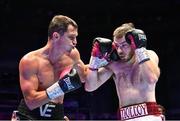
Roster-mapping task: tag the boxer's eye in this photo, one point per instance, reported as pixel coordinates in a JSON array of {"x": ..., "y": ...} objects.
[
  {"x": 72, "y": 37},
  {"x": 122, "y": 45},
  {"x": 125, "y": 45}
]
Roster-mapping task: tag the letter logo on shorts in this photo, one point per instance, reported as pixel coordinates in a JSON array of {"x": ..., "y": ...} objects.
[{"x": 46, "y": 112}]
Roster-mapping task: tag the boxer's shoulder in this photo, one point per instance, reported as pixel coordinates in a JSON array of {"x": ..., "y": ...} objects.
[
  {"x": 31, "y": 59},
  {"x": 152, "y": 54}
]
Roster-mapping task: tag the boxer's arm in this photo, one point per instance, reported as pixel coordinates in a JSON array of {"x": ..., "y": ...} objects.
[
  {"x": 98, "y": 72},
  {"x": 79, "y": 65},
  {"x": 148, "y": 60},
  {"x": 150, "y": 69},
  {"x": 100, "y": 53},
  {"x": 67, "y": 83},
  {"x": 92, "y": 79},
  {"x": 29, "y": 84},
  {"x": 95, "y": 78},
  {"x": 82, "y": 70}
]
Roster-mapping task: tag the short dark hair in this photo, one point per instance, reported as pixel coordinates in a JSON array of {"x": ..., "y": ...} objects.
[{"x": 59, "y": 24}]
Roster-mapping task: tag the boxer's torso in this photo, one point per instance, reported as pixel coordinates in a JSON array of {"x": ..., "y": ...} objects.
[
  {"x": 132, "y": 87},
  {"x": 48, "y": 73}
]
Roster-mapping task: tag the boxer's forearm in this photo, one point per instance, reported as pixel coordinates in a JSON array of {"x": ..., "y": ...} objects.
[
  {"x": 81, "y": 69},
  {"x": 36, "y": 99},
  {"x": 150, "y": 71},
  {"x": 91, "y": 80},
  {"x": 95, "y": 78}
]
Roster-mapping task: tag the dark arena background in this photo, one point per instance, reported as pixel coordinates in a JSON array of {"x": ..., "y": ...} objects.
[{"x": 23, "y": 28}]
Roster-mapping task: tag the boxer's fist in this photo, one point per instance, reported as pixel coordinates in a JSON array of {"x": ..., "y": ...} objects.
[
  {"x": 101, "y": 49},
  {"x": 69, "y": 82},
  {"x": 101, "y": 46},
  {"x": 136, "y": 38}
]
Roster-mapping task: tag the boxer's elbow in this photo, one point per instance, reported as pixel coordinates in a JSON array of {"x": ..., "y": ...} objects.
[
  {"x": 153, "y": 78},
  {"x": 30, "y": 104},
  {"x": 33, "y": 102}
]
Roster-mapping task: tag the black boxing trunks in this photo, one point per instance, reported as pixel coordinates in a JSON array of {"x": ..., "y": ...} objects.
[
  {"x": 147, "y": 110},
  {"x": 48, "y": 111}
]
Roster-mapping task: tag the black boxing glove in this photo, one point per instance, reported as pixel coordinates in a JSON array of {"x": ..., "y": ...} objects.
[
  {"x": 137, "y": 39},
  {"x": 68, "y": 83},
  {"x": 100, "y": 52}
]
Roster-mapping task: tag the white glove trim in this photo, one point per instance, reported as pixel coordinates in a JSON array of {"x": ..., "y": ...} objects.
[
  {"x": 141, "y": 55},
  {"x": 54, "y": 91},
  {"x": 96, "y": 62}
]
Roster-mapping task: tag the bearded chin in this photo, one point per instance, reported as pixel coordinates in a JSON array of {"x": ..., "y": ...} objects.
[{"x": 130, "y": 57}]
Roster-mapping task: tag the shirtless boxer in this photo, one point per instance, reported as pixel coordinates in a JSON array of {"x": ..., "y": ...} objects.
[
  {"x": 135, "y": 73},
  {"x": 48, "y": 73}
]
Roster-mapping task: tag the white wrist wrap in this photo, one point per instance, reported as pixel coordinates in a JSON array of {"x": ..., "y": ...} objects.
[
  {"x": 141, "y": 55},
  {"x": 54, "y": 91},
  {"x": 96, "y": 62}
]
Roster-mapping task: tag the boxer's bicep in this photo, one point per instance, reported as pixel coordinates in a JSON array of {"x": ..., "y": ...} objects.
[
  {"x": 29, "y": 86},
  {"x": 28, "y": 78}
]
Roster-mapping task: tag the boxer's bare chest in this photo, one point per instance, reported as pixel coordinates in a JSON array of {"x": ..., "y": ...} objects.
[
  {"x": 49, "y": 73},
  {"x": 127, "y": 76}
]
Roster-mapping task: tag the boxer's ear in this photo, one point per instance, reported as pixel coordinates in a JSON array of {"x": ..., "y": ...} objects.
[{"x": 55, "y": 35}]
